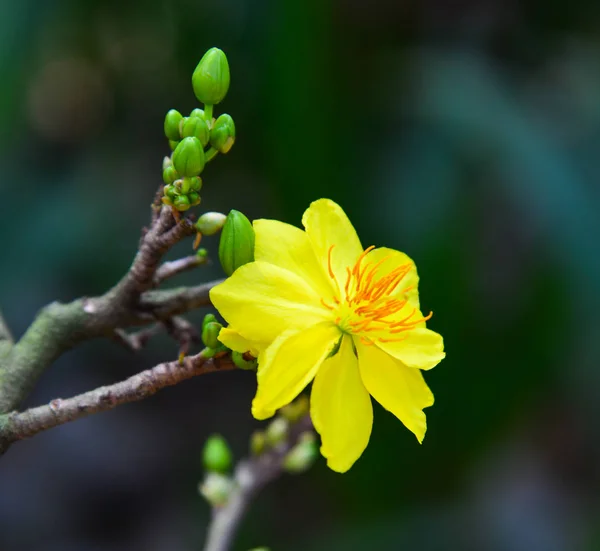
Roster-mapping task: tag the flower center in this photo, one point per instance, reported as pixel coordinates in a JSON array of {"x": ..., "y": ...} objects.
[{"x": 374, "y": 303}]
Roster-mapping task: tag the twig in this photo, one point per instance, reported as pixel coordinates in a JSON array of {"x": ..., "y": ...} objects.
[
  {"x": 176, "y": 267},
  {"x": 137, "y": 340},
  {"x": 17, "y": 426},
  {"x": 59, "y": 327},
  {"x": 251, "y": 475}
]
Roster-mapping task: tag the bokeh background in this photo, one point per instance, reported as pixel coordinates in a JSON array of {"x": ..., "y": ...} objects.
[{"x": 464, "y": 132}]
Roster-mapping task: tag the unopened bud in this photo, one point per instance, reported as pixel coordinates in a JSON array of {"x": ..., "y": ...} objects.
[
  {"x": 210, "y": 334},
  {"x": 188, "y": 157},
  {"x": 170, "y": 191},
  {"x": 181, "y": 203},
  {"x": 194, "y": 198},
  {"x": 210, "y": 223},
  {"x": 198, "y": 113},
  {"x": 216, "y": 455},
  {"x": 222, "y": 134},
  {"x": 216, "y": 488},
  {"x": 172, "y": 121},
  {"x": 196, "y": 127},
  {"x": 303, "y": 455},
  {"x": 258, "y": 442},
  {"x": 236, "y": 247},
  {"x": 277, "y": 431},
  {"x": 211, "y": 77},
  {"x": 170, "y": 175},
  {"x": 173, "y": 144},
  {"x": 246, "y": 364}
]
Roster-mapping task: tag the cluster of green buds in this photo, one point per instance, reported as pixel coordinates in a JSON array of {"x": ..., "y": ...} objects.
[{"x": 198, "y": 138}]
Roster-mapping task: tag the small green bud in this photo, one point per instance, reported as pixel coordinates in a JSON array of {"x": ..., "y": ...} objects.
[
  {"x": 210, "y": 223},
  {"x": 172, "y": 121},
  {"x": 170, "y": 175},
  {"x": 211, "y": 77},
  {"x": 188, "y": 157},
  {"x": 303, "y": 455},
  {"x": 185, "y": 185},
  {"x": 216, "y": 455},
  {"x": 170, "y": 191},
  {"x": 216, "y": 488},
  {"x": 277, "y": 431},
  {"x": 194, "y": 198},
  {"x": 196, "y": 183},
  {"x": 296, "y": 410},
  {"x": 167, "y": 162},
  {"x": 258, "y": 442},
  {"x": 181, "y": 202},
  {"x": 222, "y": 135},
  {"x": 196, "y": 127},
  {"x": 210, "y": 334},
  {"x": 202, "y": 253},
  {"x": 198, "y": 113},
  {"x": 236, "y": 247},
  {"x": 173, "y": 144},
  {"x": 241, "y": 362},
  {"x": 208, "y": 319}
]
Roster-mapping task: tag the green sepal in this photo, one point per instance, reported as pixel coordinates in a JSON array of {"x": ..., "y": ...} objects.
[{"x": 241, "y": 362}]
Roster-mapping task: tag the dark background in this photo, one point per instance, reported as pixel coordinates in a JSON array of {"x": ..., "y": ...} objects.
[{"x": 465, "y": 133}]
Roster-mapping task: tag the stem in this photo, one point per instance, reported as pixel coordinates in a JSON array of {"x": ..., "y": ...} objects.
[
  {"x": 208, "y": 114},
  {"x": 210, "y": 154}
]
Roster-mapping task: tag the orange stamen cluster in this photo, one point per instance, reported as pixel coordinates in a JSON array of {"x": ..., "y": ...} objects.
[{"x": 374, "y": 299}]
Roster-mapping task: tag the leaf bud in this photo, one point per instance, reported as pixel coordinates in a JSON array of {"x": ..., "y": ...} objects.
[
  {"x": 236, "y": 247},
  {"x": 210, "y": 223},
  {"x": 277, "y": 431},
  {"x": 258, "y": 442},
  {"x": 181, "y": 202},
  {"x": 222, "y": 134},
  {"x": 196, "y": 127},
  {"x": 188, "y": 157},
  {"x": 216, "y": 488},
  {"x": 170, "y": 175},
  {"x": 172, "y": 120},
  {"x": 211, "y": 77},
  {"x": 303, "y": 455},
  {"x": 216, "y": 455},
  {"x": 240, "y": 361},
  {"x": 210, "y": 334}
]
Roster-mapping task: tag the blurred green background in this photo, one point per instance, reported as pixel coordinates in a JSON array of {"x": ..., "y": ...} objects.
[{"x": 465, "y": 133}]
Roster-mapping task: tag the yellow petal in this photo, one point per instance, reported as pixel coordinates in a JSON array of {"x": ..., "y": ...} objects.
[
  {"x": 232, "y": 339},
  {"x": 421, "y": 348},
  {"x": 261, "y": 301},
  {"x": 289, "y": 364},
  {"x": 398, "y": 388},
  {"x": 326, "y": 225},
  {"x": 289, "y": 247},
  {"x": 340, "y": 408},
  {"x": 390, "y": 260}
]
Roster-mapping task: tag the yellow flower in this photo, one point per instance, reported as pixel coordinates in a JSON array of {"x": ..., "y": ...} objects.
[{"x": 315, "y": 305}]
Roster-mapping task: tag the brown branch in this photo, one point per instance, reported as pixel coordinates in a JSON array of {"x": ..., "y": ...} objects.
[
  {"x": 251, "y": 475},
  {"x": 59, "y": 327},
  {"x": 176, "y": 267},
  {"x": 17, "y": 426}
]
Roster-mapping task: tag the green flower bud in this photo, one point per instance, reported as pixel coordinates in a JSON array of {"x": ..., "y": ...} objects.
[
  {"x": 303, "y": 455},
  {"x": 185, "y": 185},
  {"x": 210, "y": 334},
  {"x": 222, "y": 135},
  {"x": 196, "y": 127},
  {"x": 202, "y": 253},
  {"x": 166, "y": 201},
  {"x": 173, "y": 144},
  {"x": 216, "y": 455},
  {"x": 240, "y": 361},
  {"x": 181, "y": 202},
  {"x": 216, "y": 489},
  {"x": 188, "y": 157},
  {"x": 171, "y": 191},
  {"x": 208, "y": 319},
  {"x": 194, "y": 198},
  {"x": 198, "y": 113},
  {"x": 210, "y": 223},
  {"x": 258, "y": 442},
  {"x": 211, "y": 77},
  {"x": 277, "y": 431},
  {"x": 196, "y": 183},
  {"x": 170, "y": 175},
  {"x": 172, "y": 121},
  {"x": 296, "y": 410},
  {"x": 167, "y": 162},
  {"x": 236, "y": 247}
]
